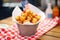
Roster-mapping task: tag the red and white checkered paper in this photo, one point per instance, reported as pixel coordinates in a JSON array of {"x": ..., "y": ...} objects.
[{"x": 12, "y": 32}]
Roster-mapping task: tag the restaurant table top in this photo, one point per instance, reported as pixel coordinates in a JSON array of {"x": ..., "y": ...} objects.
[{"x": 53, "y": 34}]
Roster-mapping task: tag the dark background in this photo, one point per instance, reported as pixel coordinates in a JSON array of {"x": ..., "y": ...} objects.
[{"x": 6, "y": 11}]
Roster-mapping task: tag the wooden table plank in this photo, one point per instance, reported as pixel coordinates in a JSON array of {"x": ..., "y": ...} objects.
[
  {"x": 57, "y": 28},
  {"x": 55, "y": 31},
  {"x": 49, "y": 38},
  {"x": 7, "y": 21}
]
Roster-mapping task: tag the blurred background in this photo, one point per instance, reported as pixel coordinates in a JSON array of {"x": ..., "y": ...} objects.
[{"x": 7, "y": 6}]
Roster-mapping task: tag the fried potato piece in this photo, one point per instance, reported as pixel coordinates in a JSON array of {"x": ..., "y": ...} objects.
[
  {"x": 37, "y": 17},
  {"x": 27, "y": 16},
  {"x": 26, "y": 21},
  {"x": 17, "y": 18},
  {"x": 34, "y": 20},
  {"x": 34, "y": 15},
  {"x": 24, "y": 14},
  {"x": 22, "y": 18},
  {"x": 20, "y": 22},
  {"x": 27, "y": 11}
]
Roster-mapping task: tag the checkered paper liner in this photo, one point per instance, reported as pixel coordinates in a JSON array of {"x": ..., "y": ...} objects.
[{"x": 12, "y": 32}]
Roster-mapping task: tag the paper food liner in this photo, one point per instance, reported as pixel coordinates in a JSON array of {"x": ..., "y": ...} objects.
[{"x": 17, "y": 11}]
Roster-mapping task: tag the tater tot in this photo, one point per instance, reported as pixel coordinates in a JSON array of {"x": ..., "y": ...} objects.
[
  {"x": 20, "y": 22},
  {"x": 37, "y": 17},
  {"x": 22, "y": 18},
  {"x": 22, "y": 14},
  {"x": 17, "y": 18},
  {"x": 28, "y": 11},
  {"x": 26, "y": 21},
  {"x": 34, "y": 14},
  {"x": 25, "y": 14},
  {"x": 34, "y": 20},
  {"x": 29, "y": 18}
]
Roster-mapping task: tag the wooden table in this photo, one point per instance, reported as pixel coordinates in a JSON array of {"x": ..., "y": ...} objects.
[{"x": 53, "y": 34}]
